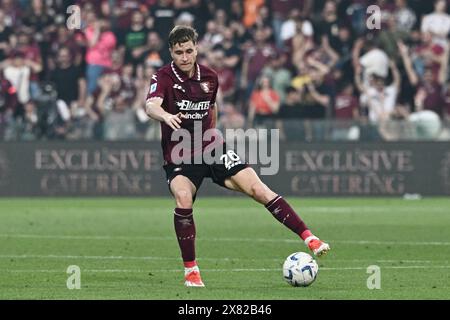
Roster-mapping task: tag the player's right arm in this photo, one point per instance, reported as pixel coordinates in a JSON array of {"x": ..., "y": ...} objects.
[
  {"x": 155, "y": 111},
  {"x": 154, "y": 103}
]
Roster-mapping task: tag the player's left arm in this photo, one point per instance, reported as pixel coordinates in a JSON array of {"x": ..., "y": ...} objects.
[{"x": 215, "y": 106}]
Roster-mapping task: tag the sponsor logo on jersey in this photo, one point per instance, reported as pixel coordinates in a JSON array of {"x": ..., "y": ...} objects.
[
  {"x": 187, "y": 105},
  {"x": 195, "y": 116},
  {"x": 153, "y": 87}
]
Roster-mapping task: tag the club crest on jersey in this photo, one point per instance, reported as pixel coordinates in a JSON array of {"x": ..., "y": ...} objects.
[{"x": 205, "y": 86}]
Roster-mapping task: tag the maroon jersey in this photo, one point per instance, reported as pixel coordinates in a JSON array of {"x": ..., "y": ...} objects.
[
  {"x": 345, "y": 106},
  {"x": 434, "y": 98},
  {"x": 194, "y": 97}
]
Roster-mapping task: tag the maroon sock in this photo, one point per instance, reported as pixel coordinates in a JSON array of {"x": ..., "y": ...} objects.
[
  {"x": 283, "y": 212},
  {"x": 185, "y": 230}
]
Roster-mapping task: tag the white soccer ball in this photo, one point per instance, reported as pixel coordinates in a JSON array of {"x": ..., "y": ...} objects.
[{"x": 300, "y": 269}]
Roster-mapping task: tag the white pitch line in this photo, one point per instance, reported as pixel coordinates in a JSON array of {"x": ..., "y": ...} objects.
[
  {"x": 146, "y": 258},
  {"x": 301, "y": 209},
  {"x": 210, "y": 270},
  {"x": 82, "y": 237},
  {"x": 51, "y": 256},
  {"x": 109, "y": 237}
]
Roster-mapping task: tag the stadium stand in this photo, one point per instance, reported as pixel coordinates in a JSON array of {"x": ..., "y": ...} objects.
[{"x": 315, "y": 69}]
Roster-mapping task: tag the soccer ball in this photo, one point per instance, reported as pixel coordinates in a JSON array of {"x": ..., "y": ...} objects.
[{"x": 300, "y": 269}]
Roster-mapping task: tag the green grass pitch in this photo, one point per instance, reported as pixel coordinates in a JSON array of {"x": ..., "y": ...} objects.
[{"x": 126, "y": 249}]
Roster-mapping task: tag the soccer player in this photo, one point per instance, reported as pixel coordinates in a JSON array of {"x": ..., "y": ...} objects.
[{"x": 182, "y": 95}]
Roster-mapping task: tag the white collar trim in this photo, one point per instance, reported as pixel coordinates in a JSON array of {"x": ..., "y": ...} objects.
[
  {"x": 198, "y": 72},
  {"x": 179, "y": 77},
  {"x": 175, "y": 72}
]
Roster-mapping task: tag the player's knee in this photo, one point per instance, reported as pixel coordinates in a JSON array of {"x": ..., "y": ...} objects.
[
  {"x": 261, "y": 193},
  {"x": 184, "y": 199}
]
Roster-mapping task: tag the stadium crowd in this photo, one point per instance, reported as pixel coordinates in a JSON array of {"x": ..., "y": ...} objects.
[{"x": 323, "y": 62}]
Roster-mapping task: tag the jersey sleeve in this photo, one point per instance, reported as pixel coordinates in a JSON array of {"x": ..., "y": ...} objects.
[
  {"x": 216, "y": 88},
  {"x": 158, "y": 86}
]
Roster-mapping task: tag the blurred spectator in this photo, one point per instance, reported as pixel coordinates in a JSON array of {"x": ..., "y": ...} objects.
[
  {"x": 294, "y": 25},
  {"x": 133, "y": 38},
  {"x": 429, "y": 88},
  {"x": 429, "y": 94},
  {"x": 290, "y": 114},
  {"x": 344, "y": 50},
  {"x": 232, "y": 52},
  {"x": 8, "y": 96},
  {"x": 69, "y": 80},
  {"x": 251, "y": 9},
  {"x": 64, "y": 37},
  {"x": 6, "y": 33},
  {"x": 378, "y": 98},
  {"x": 263, "y": 21},
  {"x": 427, "y": 54},
  {"x": 327, "y": 24},
  {"x": 12, "y": 12},
  {"x": 220, "y": 18},
  {"x": 227, "y": 79},
  {"x": 255, "y": 57},
  {"x": 33, "y": 59},
  {"x": 8, "y": 106},
  {"x": 389, "y": 36},
  {"x": 315, "y": 101},
  {"x": 17, "y": 71},
  {"x": 356, "y": 13},
  {"x": 387, "y": 11},
  {"x": 120, "y": 120},
  {"x": 146, "y": 128},
  {"x": 447, "y": 103},
  {"x": 437, "y": 23},
  {"x": 38, "y": 21},
  {"x": 280, "y": 76},
  {"x": 405, "y": 17},
  {"x": 374, "y": 62},
  {"x": 291, "y": 108},
  {"x": 128, "y": 83},
  {"x": 100, "y": 7},
  {"x": 211, "y": 38},
  {"x": 236, "y": 11},
  {"x": 197, "y": 9},
  {"x": 346, "y": 105},
  {"x": 298, "y": 45},
  {"x": 163, "y": 14},
  {"x": 284, "y": 15},
  {"x": 346, "y": 111},
  {"x": 153, "y": 52},
  {"x": 122, "y": 12},
  {"x": 185, "y": 19},
  {"x": 264, "y": 104},
  {"x": 101, "y": 42}
]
